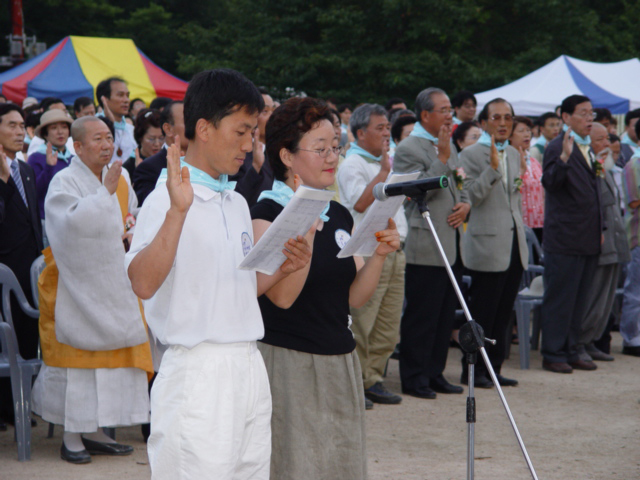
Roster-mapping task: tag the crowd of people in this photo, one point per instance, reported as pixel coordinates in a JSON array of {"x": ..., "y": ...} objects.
[{"x": 143, "y": 214}]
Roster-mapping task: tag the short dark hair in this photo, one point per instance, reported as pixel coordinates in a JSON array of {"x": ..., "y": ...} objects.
[
  {"x": 81, "y": 102},
  {"x": 392, "y": 101},
  {"x": 5, "y": 98},
  {"x": 32, "y": 119},
  {"x": 522, "y": 119},
  {"x": 166, "y": 115},
  {"x": 602, "y": 113},
  {"x": 46, "y": 103},
  {"x": 104, "y": 88},
  {"x": 637, "y": 128},
  {"x": 460, "y": 132},
  {"x": 399, "y": 124},
  {"x": 9, "y": 107},
  {"x": 462, "y": 96},
  {"x": 215, "y": 94},
  {"x": 108, "y": 122},
  {"x": 570, "y": 103},
  {"x": 132, "y": 102},
  {"x": 542, "y": 119},
  {"x": 263, "y": 91},
  {"x": 335, "y": 113},
  {"x": 344, "y": 106},
  {"x": 630, "y": 116},
  {"x": 288, "y": 124},
  {"x": 613, "y": 138},
  {"x": 146, "y": 118},
  {"x": 484, "y": 114},
  {"x": 159, "y": 103}
]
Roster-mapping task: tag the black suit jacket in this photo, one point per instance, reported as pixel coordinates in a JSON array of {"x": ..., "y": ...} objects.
[
  {"x": 250, "y": 183},
  {"x": 573, "y": 214},
  {"x": 20, "y": 227}
]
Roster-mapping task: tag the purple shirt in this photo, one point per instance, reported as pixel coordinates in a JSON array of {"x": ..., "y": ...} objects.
[{"x": 44, "y": 174}]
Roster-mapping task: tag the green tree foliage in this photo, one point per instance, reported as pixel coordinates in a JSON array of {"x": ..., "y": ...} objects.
[{"x": 353, "y": 50}]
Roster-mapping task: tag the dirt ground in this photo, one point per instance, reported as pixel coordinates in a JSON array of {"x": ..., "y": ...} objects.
[{"x": 582, "y": 426}]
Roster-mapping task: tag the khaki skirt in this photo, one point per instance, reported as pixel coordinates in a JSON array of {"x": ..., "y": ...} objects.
[{"x": 317, "y": 424}]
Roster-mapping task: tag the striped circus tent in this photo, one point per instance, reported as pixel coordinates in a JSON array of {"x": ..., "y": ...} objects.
[{"x": 74, "y": 66}]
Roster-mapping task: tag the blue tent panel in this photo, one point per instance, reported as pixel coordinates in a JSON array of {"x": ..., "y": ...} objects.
[
  {"x": 26, "y": 66},
  {"x": 63, "y": 79},
  {"x": 599, "y": 97}
]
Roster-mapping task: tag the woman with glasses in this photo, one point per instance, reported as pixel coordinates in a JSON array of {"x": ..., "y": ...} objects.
[
  {"x": 316, "y": 383},
  {"x": 149, "y": 137}
]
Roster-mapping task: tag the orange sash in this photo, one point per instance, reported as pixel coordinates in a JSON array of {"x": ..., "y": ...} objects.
[{"x": 56, "y": 354}]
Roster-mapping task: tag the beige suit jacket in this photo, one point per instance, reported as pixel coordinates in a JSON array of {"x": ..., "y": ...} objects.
[
  {"x": 496, "y": 210},
  {"x": 419, "y": 154}
]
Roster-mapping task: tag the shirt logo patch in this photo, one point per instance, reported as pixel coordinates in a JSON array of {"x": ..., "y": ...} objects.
[
  {"x": 342, "y": 237},
  {"x": 246, "y": 244}
]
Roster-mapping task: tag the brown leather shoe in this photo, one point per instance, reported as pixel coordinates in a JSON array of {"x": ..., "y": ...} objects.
[
  {"x": 583, "y": 365},
  {"x": 557, "y": 367}
]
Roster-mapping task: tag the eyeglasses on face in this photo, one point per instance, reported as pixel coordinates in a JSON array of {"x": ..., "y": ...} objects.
[
  {"x": 586, "y": 114},
  {"x": 152, "y": 140},
  {"x": 444, "y": 111},
  {"x": 325, "y": 152},
  {"x": 496, "y": 118}
]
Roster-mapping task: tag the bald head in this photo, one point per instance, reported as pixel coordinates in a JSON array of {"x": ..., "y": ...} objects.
[
  {"x": 79, "y": 127},
  {"x": 599, "y": 137}
]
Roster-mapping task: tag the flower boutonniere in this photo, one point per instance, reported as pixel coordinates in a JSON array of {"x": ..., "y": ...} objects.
[
  {"x": 129, "y": 222},
  {"x": 459, "y": 176},
  {"x": 517, "y": 184},
  {"x": 598, "y": 167}
]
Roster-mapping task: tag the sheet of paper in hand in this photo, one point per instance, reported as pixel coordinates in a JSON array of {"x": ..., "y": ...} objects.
[
  {"x": 363, "y": 241},
  {"x": 296, "y": 219}
]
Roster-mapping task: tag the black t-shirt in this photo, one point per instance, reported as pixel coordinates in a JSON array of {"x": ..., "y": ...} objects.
[{"x": 318, "y": 321}]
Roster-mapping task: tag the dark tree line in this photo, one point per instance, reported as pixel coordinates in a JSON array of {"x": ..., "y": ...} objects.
[{"x": 353, "y": 50}]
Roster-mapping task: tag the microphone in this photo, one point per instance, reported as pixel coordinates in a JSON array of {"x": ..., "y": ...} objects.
[{"x": 412, "y": 188}]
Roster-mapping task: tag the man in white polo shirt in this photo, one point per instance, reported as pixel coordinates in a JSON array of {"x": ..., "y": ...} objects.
[{"x": 210, "y": 404}]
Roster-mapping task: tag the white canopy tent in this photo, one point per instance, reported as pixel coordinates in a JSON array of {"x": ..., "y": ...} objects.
[{"x": 615, "y": 86}]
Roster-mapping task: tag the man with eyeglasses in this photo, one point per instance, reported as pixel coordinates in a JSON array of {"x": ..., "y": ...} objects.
[
  {"x": 429, "y": 313},
  {"x": 494, "y": 247},
  {"x": 376, "y": 324},
  {"x": 572, "y": 236}
]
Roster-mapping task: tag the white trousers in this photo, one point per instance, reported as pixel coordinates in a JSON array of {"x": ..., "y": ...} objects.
[{"x": 211, "y": 414}]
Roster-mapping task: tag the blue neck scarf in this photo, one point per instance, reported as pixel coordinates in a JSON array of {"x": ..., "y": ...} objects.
[
  {"x": 121, "y": 125},
  {"x": 355, "y": 149},
  {"x": 627, "y": 141},
  {"x": 579, "y": 140},
  {"x": 485, "y": 139},
  {"x": 542, "y": 141},
  {"x": 201, "y": 178},
  {"x": 420, "y": 132},
  {"x": 456, "y": 120},
  {"x": 281, "y": 193},
  {"x": 65, "y": 156}
]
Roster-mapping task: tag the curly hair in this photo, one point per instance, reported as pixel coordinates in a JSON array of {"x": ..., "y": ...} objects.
[{"x": 288, "y": 124}]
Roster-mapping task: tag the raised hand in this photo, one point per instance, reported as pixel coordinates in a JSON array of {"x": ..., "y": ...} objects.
[
  {"x": 178, "y": 180},
  {"x": 444, "y": 144},
  {"x": 567, "y": 146},
  {"x": 523, "y": 161},
  {"x": 298, "y": 255},
  {"x": 389, "y": 239},
  {"x": 494, "y": 158},
  {"x": 107, "y": 111},
  {"x": 112, "y": 177},
  {"x": 258, "y": 151},
  {"x": 52, "y": 157},
  {"x": 385, "y": 163},
  {"x": 5, "y": 172}
]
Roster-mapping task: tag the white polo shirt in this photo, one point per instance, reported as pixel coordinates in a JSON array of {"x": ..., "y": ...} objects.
[
  {"x": 354, "y": 174},
  {"x": 205, "y": 297}
]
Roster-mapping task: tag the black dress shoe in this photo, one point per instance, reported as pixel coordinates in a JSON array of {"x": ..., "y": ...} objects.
[
  {"x": 439, "y": 384},
  {"x": 506, "y": 382},
  {"x": 633, "y": 351},
  {"x": 100, "y": 448},
  {"x": 74, "y": 457},
  {"x": 3, "y": 426},
  {"x": 480, "y": 381},
  {"x": 420, "y": 392}
]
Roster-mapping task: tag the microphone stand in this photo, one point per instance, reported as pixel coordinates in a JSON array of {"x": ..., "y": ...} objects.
[{"x": 472, "y": 341}]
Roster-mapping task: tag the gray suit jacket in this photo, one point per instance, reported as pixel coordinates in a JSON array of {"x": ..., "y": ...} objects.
[
  {"x": 418, "y": 154},
  {"x": 495, "y": 211},
  {"x": 615, "y": 248}
]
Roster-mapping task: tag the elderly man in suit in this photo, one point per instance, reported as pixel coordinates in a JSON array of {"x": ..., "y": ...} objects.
[
  {"x": 20, "y": 232},
  {"x": 494, "y": 248},
  {"x": 572, "y": 236},
  {"x": 429, "y": 313}
]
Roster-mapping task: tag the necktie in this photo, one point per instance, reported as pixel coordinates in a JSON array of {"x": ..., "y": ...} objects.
[{"x": 15, "y": 174}]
